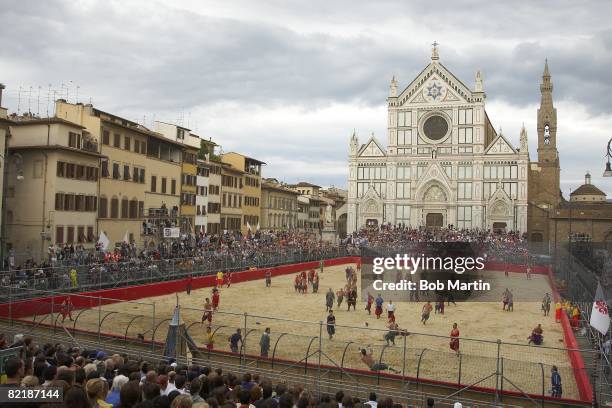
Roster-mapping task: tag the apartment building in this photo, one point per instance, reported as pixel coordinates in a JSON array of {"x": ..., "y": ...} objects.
[
  {"x": 52, "y": 186},
  {"x": 213, "y": 217},
  {"x": 139, "y": 176},
  {"x": 279, "y": 206},
  {"x": 251, "y": 169},
  {"x": 202, "y": 184},
  {"x": 231, "y": 198},
  {"x": 191, "y": 147}
]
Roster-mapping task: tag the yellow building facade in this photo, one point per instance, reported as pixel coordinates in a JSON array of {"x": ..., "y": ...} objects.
[
  {"x": 231, "y": 198},
  {"x": 251, "y": 169},
  {"x": 52, "y": 187},
  {"x": 139, "y": 178}
]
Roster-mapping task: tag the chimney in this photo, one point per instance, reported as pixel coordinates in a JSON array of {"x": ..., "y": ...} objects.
[{"x": 1, "y": 88}]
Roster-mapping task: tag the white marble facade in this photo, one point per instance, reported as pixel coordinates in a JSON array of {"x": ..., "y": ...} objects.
[{"x": 444, "y": 162}]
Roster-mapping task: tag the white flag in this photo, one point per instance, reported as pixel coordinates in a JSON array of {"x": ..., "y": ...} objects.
[
  {"x": 600, "y": 319},
  {"x": 248, "y": 226},
  {"x": 103, "y": 241},
  {"x": 257, "y": 225},
  {"x": 126, "y": 239}
]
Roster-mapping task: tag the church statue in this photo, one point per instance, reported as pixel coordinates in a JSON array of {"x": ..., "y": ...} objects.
[{"x": 328, "y": 214}]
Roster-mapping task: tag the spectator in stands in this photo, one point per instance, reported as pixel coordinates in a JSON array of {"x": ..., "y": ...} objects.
[
  {"x": 181, "y": 401},
  {"x": 285, "y": 401},
  {"x": 162, "y": 381},
  {"x": 348, "y": 402},
  {"x": 247, "y": 382},
  {"x": 179, "y": 383},
  {"x": 150, "y": 391},
  {"x": 96, "y": 392},
  {"x": 79, "y": 377},
  {"x": 338, "y": 397},
  {"x": 48, "y": 375},
  {"x": 144, "y": 369},
  {"x": 76, "y": 397},
  {"x": 371, "y": 400},
  {"x": 430, "y": 402},
  {"x": 65, "y": 374},
  {"x": 129, "y": 395},
  {"x": 171, "y": 379},
  {"x": 14, "y": 371},
  {"x": 266, "y": 400},
  {"x": 113, "y": 396},
  {"x": 29, "y": 381},
  {"x": 194, "y": 389}
]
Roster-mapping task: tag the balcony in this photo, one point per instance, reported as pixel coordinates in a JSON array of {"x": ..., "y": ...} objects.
[{"x": 90, "y": 145}]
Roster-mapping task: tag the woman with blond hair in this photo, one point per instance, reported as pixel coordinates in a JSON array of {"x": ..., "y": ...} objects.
[{"x": 97, "y": 389}]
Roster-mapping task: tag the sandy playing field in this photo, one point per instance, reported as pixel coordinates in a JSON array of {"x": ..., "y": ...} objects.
[{"x": 477, "y": 320}]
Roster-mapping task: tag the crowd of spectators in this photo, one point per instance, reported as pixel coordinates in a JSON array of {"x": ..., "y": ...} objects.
[
  {"x": 91, "y": 378},
  {"x": 70, "y": 266},
  {"x": 493, "y": 245}
]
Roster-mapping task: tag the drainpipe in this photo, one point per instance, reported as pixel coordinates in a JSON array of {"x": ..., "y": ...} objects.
[
  {"x": 44, "y": 203},
  {"x": 4, "y": 190}
]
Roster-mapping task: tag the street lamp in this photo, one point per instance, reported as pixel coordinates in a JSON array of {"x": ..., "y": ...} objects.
[{"x": 608, "y": 171}]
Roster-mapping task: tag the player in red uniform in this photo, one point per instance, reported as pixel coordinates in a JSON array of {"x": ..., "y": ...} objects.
[
  {"x": 369, "y": 303},
  {"x": 215, "y": 299},
  {"x": 208, "y": 312},
  {"x": 454, "y": 341},
  {"x": 228, "y": 279},
  {"x": 296, "y": 283},
  {"x": 66, "y": 309},
  {"x": 189, "y": 284}
]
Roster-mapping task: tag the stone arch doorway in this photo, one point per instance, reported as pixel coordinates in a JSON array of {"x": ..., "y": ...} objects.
[
  {"x": 434, "y": 220},
  {"x": 499, "y": 227}
]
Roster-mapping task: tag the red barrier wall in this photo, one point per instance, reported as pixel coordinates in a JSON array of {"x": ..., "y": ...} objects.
[
  {"x": 585, "y": 388},
  {"x": 83, "y": 300}
]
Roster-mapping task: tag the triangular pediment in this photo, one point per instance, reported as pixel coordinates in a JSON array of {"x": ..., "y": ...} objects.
[
  {"x": 371, "y": 196},
  {"x": 433, "y": 85},
  {"x": 499, "y": 195},
  {"x": 371, "y": 149},
  {"x": 436, "y": 174},
  {"x": 500, "y": 145}
]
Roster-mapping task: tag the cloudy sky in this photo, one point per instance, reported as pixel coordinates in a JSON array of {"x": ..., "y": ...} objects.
[{"x": 288, "y": 81}]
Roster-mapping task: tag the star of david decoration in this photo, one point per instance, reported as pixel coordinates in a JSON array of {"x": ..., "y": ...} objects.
[
  {"x": 602, "y": 307},
  {"x": 434, "y": 91}
]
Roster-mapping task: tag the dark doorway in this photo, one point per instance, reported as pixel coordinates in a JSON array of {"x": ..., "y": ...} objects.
[
  {"x": 499, "y": 227},
  {"x": 537, "y": 237},
  {"x": 342, "y": 226},
  {"x": 434, "y": 220}
]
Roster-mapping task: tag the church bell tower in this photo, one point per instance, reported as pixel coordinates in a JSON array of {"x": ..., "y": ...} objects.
[
  {"x": 548, "y": 155},
  {"x": 544, "y": 192}
]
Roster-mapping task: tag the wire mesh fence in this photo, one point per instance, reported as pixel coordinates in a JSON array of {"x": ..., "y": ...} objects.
[{"x": 415, "y": 357}]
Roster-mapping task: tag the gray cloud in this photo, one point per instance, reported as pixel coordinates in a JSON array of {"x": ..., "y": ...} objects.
[{"x": 143, "y": 59}]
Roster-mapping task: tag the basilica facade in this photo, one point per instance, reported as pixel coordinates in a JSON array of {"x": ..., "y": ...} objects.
[{"x": 444, "y": 163}]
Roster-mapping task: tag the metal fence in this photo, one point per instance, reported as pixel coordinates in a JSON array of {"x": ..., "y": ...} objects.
[
  {"x": 417, "y": 359},
  {"x": 317, "y": 384},
  {"x": 117, "y": 274},
  {"x": 578, "y": 268}
]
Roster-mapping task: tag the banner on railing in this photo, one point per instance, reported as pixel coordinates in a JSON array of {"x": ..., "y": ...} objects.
[{"x": 172, "y": 232}]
